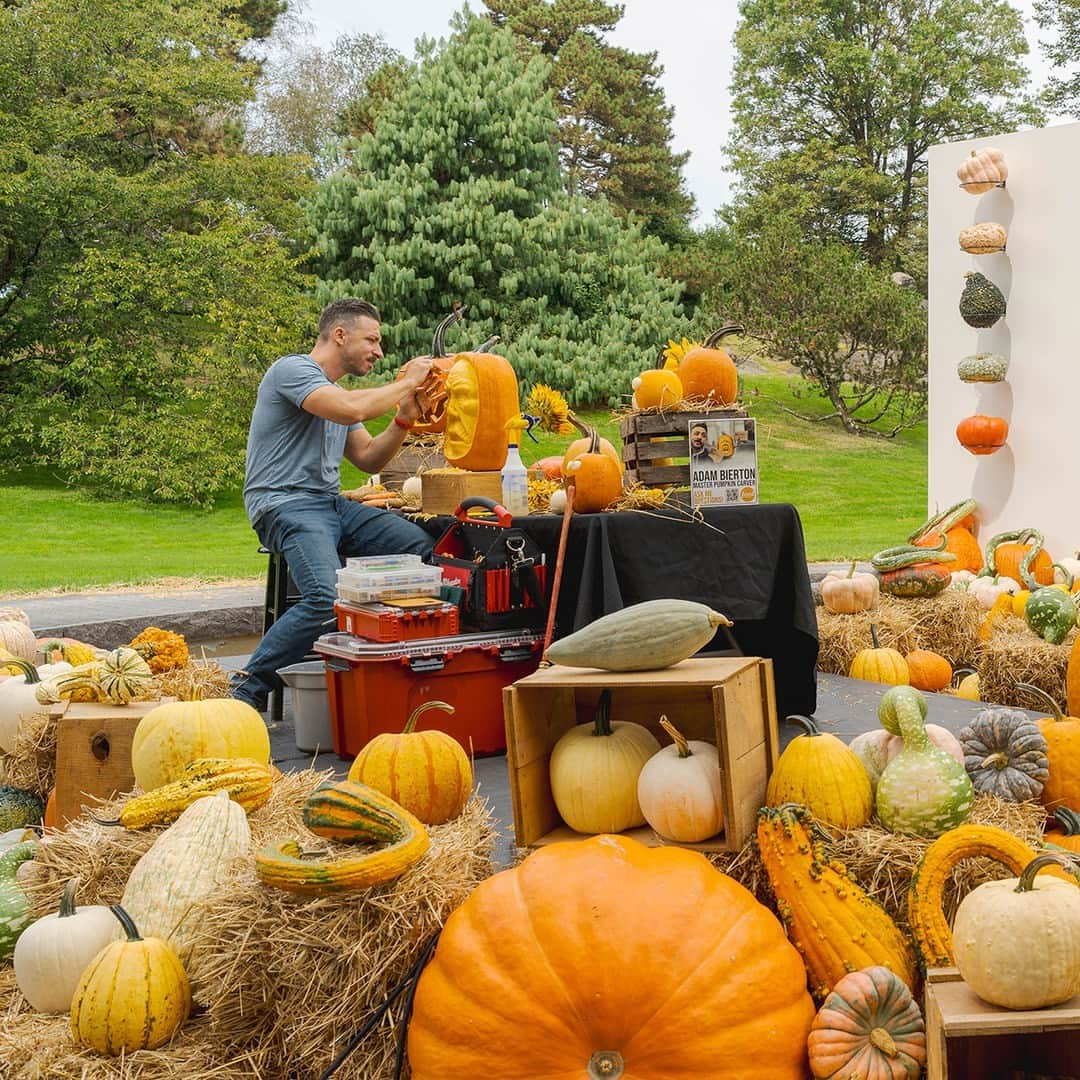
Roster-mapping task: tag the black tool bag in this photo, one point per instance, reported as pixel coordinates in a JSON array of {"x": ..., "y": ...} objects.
[{"x": 500, "y": 568}]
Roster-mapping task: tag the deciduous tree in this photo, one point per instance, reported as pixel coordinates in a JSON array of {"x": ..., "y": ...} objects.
[{"x": 1060, "y": 19}]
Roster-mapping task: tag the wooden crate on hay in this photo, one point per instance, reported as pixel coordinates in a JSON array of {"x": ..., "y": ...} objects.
[
  {"x": 966, "y": 1037},
  {"x": 728, "y": 701},
  {"x": 443, "y": 491},
  {"x": 650, "y": 436}
]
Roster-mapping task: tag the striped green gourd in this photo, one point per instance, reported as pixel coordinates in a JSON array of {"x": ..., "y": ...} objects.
[
  {"x": 15, "y": 911},
  {"x": 1051, "y": 613},
  {"x": 923, "y": 791}
]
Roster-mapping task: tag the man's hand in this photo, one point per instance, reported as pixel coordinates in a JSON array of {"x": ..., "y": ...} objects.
[
  {"x": 416, "y": 370},
  {"x": 408, "y": 409}
]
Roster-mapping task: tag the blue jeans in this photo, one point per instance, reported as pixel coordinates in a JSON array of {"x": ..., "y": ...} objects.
[{"x": 315, "y": 534}]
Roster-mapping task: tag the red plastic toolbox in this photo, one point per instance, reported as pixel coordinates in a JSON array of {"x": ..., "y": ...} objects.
[
  {"x": 397, "y": 622},
  {"x": 374, "y": 687}
]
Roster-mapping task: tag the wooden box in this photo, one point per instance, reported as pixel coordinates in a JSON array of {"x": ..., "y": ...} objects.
[
  {"x": 93, "y": 753},
  {"x": 728, "y": 701},
  {"x": 966, "y": 1037},
  {"x": 414, "y": 457},
  {"x": 442, "y": 492},
  {"x": 649, "y": 436}
]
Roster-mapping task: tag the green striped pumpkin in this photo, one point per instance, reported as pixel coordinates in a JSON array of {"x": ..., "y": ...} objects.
[
  {"x": 15, "y": 911},
  {"x": 1051, "y": 613},
  {"x": 124, "y": 675}
]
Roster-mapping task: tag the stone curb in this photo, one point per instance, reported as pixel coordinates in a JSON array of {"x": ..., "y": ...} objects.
[{"x": 194, "y": 625}]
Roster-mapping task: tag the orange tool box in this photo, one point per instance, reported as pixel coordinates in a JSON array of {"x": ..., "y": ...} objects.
[
  {"x": 374, "y": 687},
  {"x": 397, "y": 621}
]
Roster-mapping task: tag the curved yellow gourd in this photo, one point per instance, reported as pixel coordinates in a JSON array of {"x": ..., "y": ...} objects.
[
  {"x": 929, "y": 927},
  {"x": 833, "y": 923}
]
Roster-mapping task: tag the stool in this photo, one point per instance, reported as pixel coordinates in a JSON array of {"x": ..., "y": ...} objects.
[{"x": 281, "y": 594}]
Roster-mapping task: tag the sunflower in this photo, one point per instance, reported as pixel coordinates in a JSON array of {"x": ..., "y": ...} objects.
[
  {"x": 674, "y": 351},
  {"x": 552, "y": 409}
]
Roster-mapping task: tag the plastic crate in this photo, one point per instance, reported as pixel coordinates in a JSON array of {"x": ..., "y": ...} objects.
[
  {"x": 385, "y": 622},
  {"x": 374, "y": 687},
  {"x": 361, "y": 586}
]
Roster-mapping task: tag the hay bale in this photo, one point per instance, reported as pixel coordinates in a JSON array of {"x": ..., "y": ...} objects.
[
  {"x": 1015, "y": 654},
  {"x": 947, "y": 624},
  {"x": 284, "y": 981},
  {"x": 32, "y": 761}
]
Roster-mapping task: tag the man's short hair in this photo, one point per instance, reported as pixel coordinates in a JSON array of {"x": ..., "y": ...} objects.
[
  {"x": 345, "y": 311},
  {"x": 694, "y": 427}
]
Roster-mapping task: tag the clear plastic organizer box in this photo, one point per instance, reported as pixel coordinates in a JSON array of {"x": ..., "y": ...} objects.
[{"x": 362, "y": 585}]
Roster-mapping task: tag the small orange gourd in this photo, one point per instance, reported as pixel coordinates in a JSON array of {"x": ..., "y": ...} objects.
[
  {"x": 928, "y": 670},
  {"x": 708, "y": 372}
]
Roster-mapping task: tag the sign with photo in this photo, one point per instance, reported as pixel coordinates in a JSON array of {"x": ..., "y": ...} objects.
[{"x": 723, "y": 462}]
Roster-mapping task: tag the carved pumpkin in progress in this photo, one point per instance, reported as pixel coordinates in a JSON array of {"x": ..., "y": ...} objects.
[
  {"x": 483, "y": 399},
  {"x": 550, "y": 969},
  {"x": 432, "y": 395}
]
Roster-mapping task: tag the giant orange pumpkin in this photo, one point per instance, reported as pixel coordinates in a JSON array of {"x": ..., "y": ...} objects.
[
  {"x": 606, "y": 958},
  {"x": 709, "y": 372},
  {"x": 982, "y": 434},
  {"x": 482, "y": 394}
]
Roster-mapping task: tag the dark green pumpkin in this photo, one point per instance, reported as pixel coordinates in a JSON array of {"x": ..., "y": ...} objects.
[
  {"x": 1005, "y": 754},
  {"x": 982, "y": 303},
  {"x": 19, "y": 808},
  {"x": 1051, "y": 613},
  {"x": 920, "y": 580}
]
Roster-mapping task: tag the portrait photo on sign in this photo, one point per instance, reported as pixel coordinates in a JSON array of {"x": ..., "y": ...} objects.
[{"x": 723, "y": 462}]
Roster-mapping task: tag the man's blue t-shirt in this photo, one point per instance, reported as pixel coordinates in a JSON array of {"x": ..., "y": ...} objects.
[{"x": 290, "y": 451}]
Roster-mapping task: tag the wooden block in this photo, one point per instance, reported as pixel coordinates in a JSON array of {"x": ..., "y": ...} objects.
[
  {"x": 93, "y": 753},
  {"x": 966, "y": 1036},
  {"x": 728, "y": 701},
  {"x": 442, "y": 492}
]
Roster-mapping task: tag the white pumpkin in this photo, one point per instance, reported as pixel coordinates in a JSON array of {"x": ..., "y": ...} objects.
[
  {"x": 52, "y": 953},
  {"x": 557, "y": 501},
  {"x": 594, "y": 772},
  {"x": 18, "y": 699},
  {"x": 1017, "y": 940},
  {"x": 18, "y": 639},
  {"x": 681, "y": 790}
]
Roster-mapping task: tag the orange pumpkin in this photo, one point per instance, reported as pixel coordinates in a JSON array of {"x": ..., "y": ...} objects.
[
  {"x": 1066, "y": 834},
  {"x": 49, "y": 820},
  {"x": 597, "y": 479},
  {"x": 982, "y": 434},
  {"x": 581, "y": 446},
  {"x": 483, "y": 399},
  {"x": 1006, "y": 552},
  {"x": 547, "y": 468},
  {"x": 607, "y": 958},
  {"x": 928, "y": 670},
  {"x": 1062, "y": 734},
  {"x": 709, "y": 372},
  {"x": 961, "y": 542}
]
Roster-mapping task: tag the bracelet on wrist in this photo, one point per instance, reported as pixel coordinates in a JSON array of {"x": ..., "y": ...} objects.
[{"x": 404, "y": 424}]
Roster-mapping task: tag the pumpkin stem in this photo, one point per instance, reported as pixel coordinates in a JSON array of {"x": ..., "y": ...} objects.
[
  {"x": 25, "y": 667},
  {"x": 884, "y": 1042},
  {"x": 67, "y": 898},
  {"x": 410, "y": 724},
  {"x": 489, "y": 344},
  {"x": 851, "y": 570},
  {"x": 582, "y": 428},
  {"x": 998, "y": 761},
  {"x": 1043, "y": 696},
  {"x": 714, "y": 338},
  {"x": 605, "y": 1065},
  {"x": 602, "y": 724},
  {"x": 677, "y": 737},
  {"x": 808, "y": 725},
  {"x": 437, "y": 348},
  {"x": 944, "y": 521},
  {"x": 126, "y": 922},
  {"x": 1069, "y": 820},
  {"x": 1027, "y": 875},
  {"x": 873, "y": 636}
]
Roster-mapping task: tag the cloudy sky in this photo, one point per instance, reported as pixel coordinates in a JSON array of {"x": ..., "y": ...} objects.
[{"x": 692, "y": 39}]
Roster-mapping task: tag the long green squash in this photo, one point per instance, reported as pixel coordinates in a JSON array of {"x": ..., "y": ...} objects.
[{"x": 648, "y": 636}]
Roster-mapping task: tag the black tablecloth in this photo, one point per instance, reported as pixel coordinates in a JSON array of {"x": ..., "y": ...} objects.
[{"x": 748, "y": 562}]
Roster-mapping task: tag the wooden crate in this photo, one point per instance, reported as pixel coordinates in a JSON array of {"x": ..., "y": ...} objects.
[
  {"x": 966, "y": 1037},
  {"x": 442, "y": 492},
  {"x": 649, "y": 436},
  {"x": 414, "y": 457},
  {"x": 93, "y": 753},
  {"x": 728, "y": 701}
]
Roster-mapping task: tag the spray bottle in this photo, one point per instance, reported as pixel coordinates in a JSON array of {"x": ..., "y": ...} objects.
[{"x": 515, "y": 477}]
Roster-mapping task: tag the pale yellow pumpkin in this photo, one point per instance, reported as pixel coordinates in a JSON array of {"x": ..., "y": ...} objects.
[
  {"x": 983, "y": 238},
  {"x": 594, "y": 772},
  {"x": 680, "y": 789},
  {"x": 982, "y": 170},
  {"x": 846, "y": 592},
  {"x": 18, "y": 639},
  {"x": 171, "y": 736}
]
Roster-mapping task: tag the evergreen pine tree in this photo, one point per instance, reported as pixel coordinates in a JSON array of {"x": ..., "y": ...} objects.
[{"x": 458, "y": 197}]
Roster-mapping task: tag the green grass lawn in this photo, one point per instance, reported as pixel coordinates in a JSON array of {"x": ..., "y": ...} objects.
[{"x": 854, "y": 495}]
